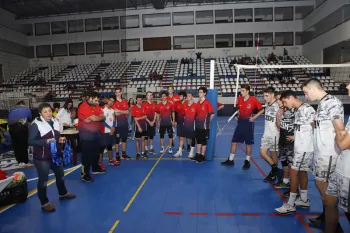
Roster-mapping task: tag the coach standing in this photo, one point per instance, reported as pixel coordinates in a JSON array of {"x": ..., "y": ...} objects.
[
  {"x": 18, "y": 119},
  {"x": 90, "y": 115}
]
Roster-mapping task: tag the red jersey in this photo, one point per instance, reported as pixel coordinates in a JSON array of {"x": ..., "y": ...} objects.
[
  {"x": 122, "y": 120},
  {"x": 165, "y": 113},
  {"x": 179, "y": 109},
  {"x": 204, "y": 110},
  {"x": 247, "y": 107},
  {"x": 190, "y": 115},
  {"x": 88, "y": 131},
  {"x": 150, "y": 109},
  {"x": 137, "y": 111},
  {"x": 218, "y": 104},
  {"x": 173, "y": 99}
]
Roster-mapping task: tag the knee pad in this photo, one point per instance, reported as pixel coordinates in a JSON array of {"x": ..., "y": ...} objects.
[
  {"x": 117, "y": 141},
  {"x": 161, "y": 135},
  {"x": 102, "y": 149},
  {"x": 284, "y": 163},
  {"x": 150, "y": 137},
  {"x": 170, "y": 135},
  {"x": 204, "y": 143},
  {"x": 109, "y": 147},
  {"x": 124, "y": 139}
]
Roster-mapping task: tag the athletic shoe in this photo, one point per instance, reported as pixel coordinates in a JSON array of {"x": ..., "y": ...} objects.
[
  {"x": 178, "y": 153},
  {"x": 98, "y": 171},
  {"x": 191, "y": 153},
  {"x": 200, "y": 158},
  {"x": 113, "y": 162},
  {"x": 299, "y": 203},
  {"x": 246, "y": 165},
  {"x": 170, "y": 151},
  {"x": 285, "y": 209},
  {"x": 125, "y": 156},
  {"x": 138, "y": 156},
  {"x": 270, "y": 177},
  {"x": 102, "y": 167},
  {"x": 281, "y": 185},
  {"x": 117, "y": 158},
  {"x": 228, "y": 163},
  {"x": 152, "y": 151},
  {"x": 144, "y": 155},
  {"x": 188, "y": 148},
  {"x": 162, "y": 150},
  {"x": 87, "y": 178},
  {"x": 318, "y": 221},
  {"x": 194, "y": 158}
]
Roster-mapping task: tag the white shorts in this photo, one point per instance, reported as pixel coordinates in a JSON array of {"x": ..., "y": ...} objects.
[
  {"x": 323, "y": 167},
  {"x": 339, "y": 186},
  {"x": 302, "y": 161},
  {"x": 269, "y": 142}
]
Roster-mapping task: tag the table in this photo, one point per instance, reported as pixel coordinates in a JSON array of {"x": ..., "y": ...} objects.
[{"x": 70, "y": 135}]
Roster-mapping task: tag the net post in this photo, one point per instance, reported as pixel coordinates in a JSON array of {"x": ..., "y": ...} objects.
[
  {"x": 237, "y": 81},
  {"x": 212, "y": 97}
]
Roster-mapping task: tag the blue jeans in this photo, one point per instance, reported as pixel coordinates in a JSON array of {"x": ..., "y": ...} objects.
[{"x": 43, "y": 169}]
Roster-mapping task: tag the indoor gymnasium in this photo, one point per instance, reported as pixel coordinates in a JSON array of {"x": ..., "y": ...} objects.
[{"x": 210, "y": 116}]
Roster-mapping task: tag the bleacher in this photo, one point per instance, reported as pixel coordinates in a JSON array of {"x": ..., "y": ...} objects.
[{"x": 60, "y": 82}]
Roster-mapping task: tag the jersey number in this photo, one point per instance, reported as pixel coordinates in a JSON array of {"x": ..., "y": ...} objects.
[{"x": 270, "y": 118}]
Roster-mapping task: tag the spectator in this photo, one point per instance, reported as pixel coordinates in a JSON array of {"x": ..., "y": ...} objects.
[
  {"x": 199, "y": 55},
  {"x": 56, "y": 107},
  {"x": 18, "y": 119},
  {"x": 64, "y": 114}
]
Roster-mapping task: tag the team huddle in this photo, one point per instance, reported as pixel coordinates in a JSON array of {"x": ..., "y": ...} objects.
[
  {"x": 109, "y": 125},
  {"x": 301, "y": 138}
]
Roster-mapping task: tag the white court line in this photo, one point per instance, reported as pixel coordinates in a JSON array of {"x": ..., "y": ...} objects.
[
  {"x": 51, "y": 174},
  {"x": 36, "y": 190}
]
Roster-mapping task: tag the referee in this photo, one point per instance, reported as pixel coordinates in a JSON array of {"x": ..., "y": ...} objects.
[{"x": 244, "y": 132}]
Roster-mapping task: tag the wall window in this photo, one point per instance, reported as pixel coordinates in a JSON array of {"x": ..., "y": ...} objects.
[
  {"x": 243, "y": 15},
  {"x": 204, "y": 17},
  {"x": 223, "y": 16},
  {"x": 59, "y": 27},
  {"x": 224, "y": 40},
  {"x": 59, "y": 50},
  {"x": 75, "y": 25},
  {"x": 284, "y": 38},
  {"x": 266, "y": 39},
  {"x": 263, "y": 14},
  {"x": 298, "y": 38},
  {"x": 93, "y": 24},
  {"x": 284, "y": 13},
  {"x": 302, "y": 11},
  {"x": 42, "y": 29},
  {"x": 110, "y": 23},
  {"x": 184, "y": 42},
  {"x": 130, "y": 21},
  {"x": 156, "y": 20},
  {"x": 76, "y": 49},
  {"x": 130, "y": 45},
  {"x": 244, "y": 40},
  {"x": 111, "y": 46},
  {"x": 157, "y": 43},
  {"x": 43, "y": 51},
  {"x": 183, "y": 18},
  {"x": 204, "y": 41},
  {"x": 94, "y": 47}
]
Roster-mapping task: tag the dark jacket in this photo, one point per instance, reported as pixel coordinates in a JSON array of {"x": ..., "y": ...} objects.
[{"x": 39, "y": 132}]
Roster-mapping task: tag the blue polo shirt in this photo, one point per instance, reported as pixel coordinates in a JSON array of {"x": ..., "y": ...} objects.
[{"x": 19, "y": 114}]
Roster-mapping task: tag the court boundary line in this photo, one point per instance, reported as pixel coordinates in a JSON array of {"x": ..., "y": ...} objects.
[
  {"x": 34, "y": 191},
  {"x": 144, "y": 181},
  {"x": 114, "y": 226}
]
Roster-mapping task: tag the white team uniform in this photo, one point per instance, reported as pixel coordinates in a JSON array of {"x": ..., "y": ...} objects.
[
  {"x": 303, "y": 138},
  {"x": 326, "y": 151},
  {"x": 271, "y": 133},
  {"x": 339, "y": 182},
  {"x": 110, "y": 117}
]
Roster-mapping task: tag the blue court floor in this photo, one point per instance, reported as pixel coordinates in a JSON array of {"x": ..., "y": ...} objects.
[{"x": 167, "y": 195}]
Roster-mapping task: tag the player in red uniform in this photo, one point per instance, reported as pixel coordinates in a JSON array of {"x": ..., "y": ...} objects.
[
  {"x": 165, "y": 116},
  {"x": 179, "y": 109},
  {"x": 220, "y": 106},
  {"x": 150, "y": 108},
  {"x": 190, "y": 109},
  {"x": 139, "y": 115},
  {"x": 90, "y": 116},
  {"x": 204, "y": 116},
  {"x": 172, "y": 98},
  {"x": 121, "y": 109},
  {"x": 244, "y": 132}
]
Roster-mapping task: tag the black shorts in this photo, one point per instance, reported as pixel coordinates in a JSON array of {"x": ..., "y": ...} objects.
[
  {"x": 166, "y": 128},
  {"x": 202, "y": 135},
  {"x": 122, "y": 131},
  {"x": 107, "y": 140},
  {"x": 138, "y": 135},
  {"x": 151, "y": 131},
  {"x": 180, "y": 130}
]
